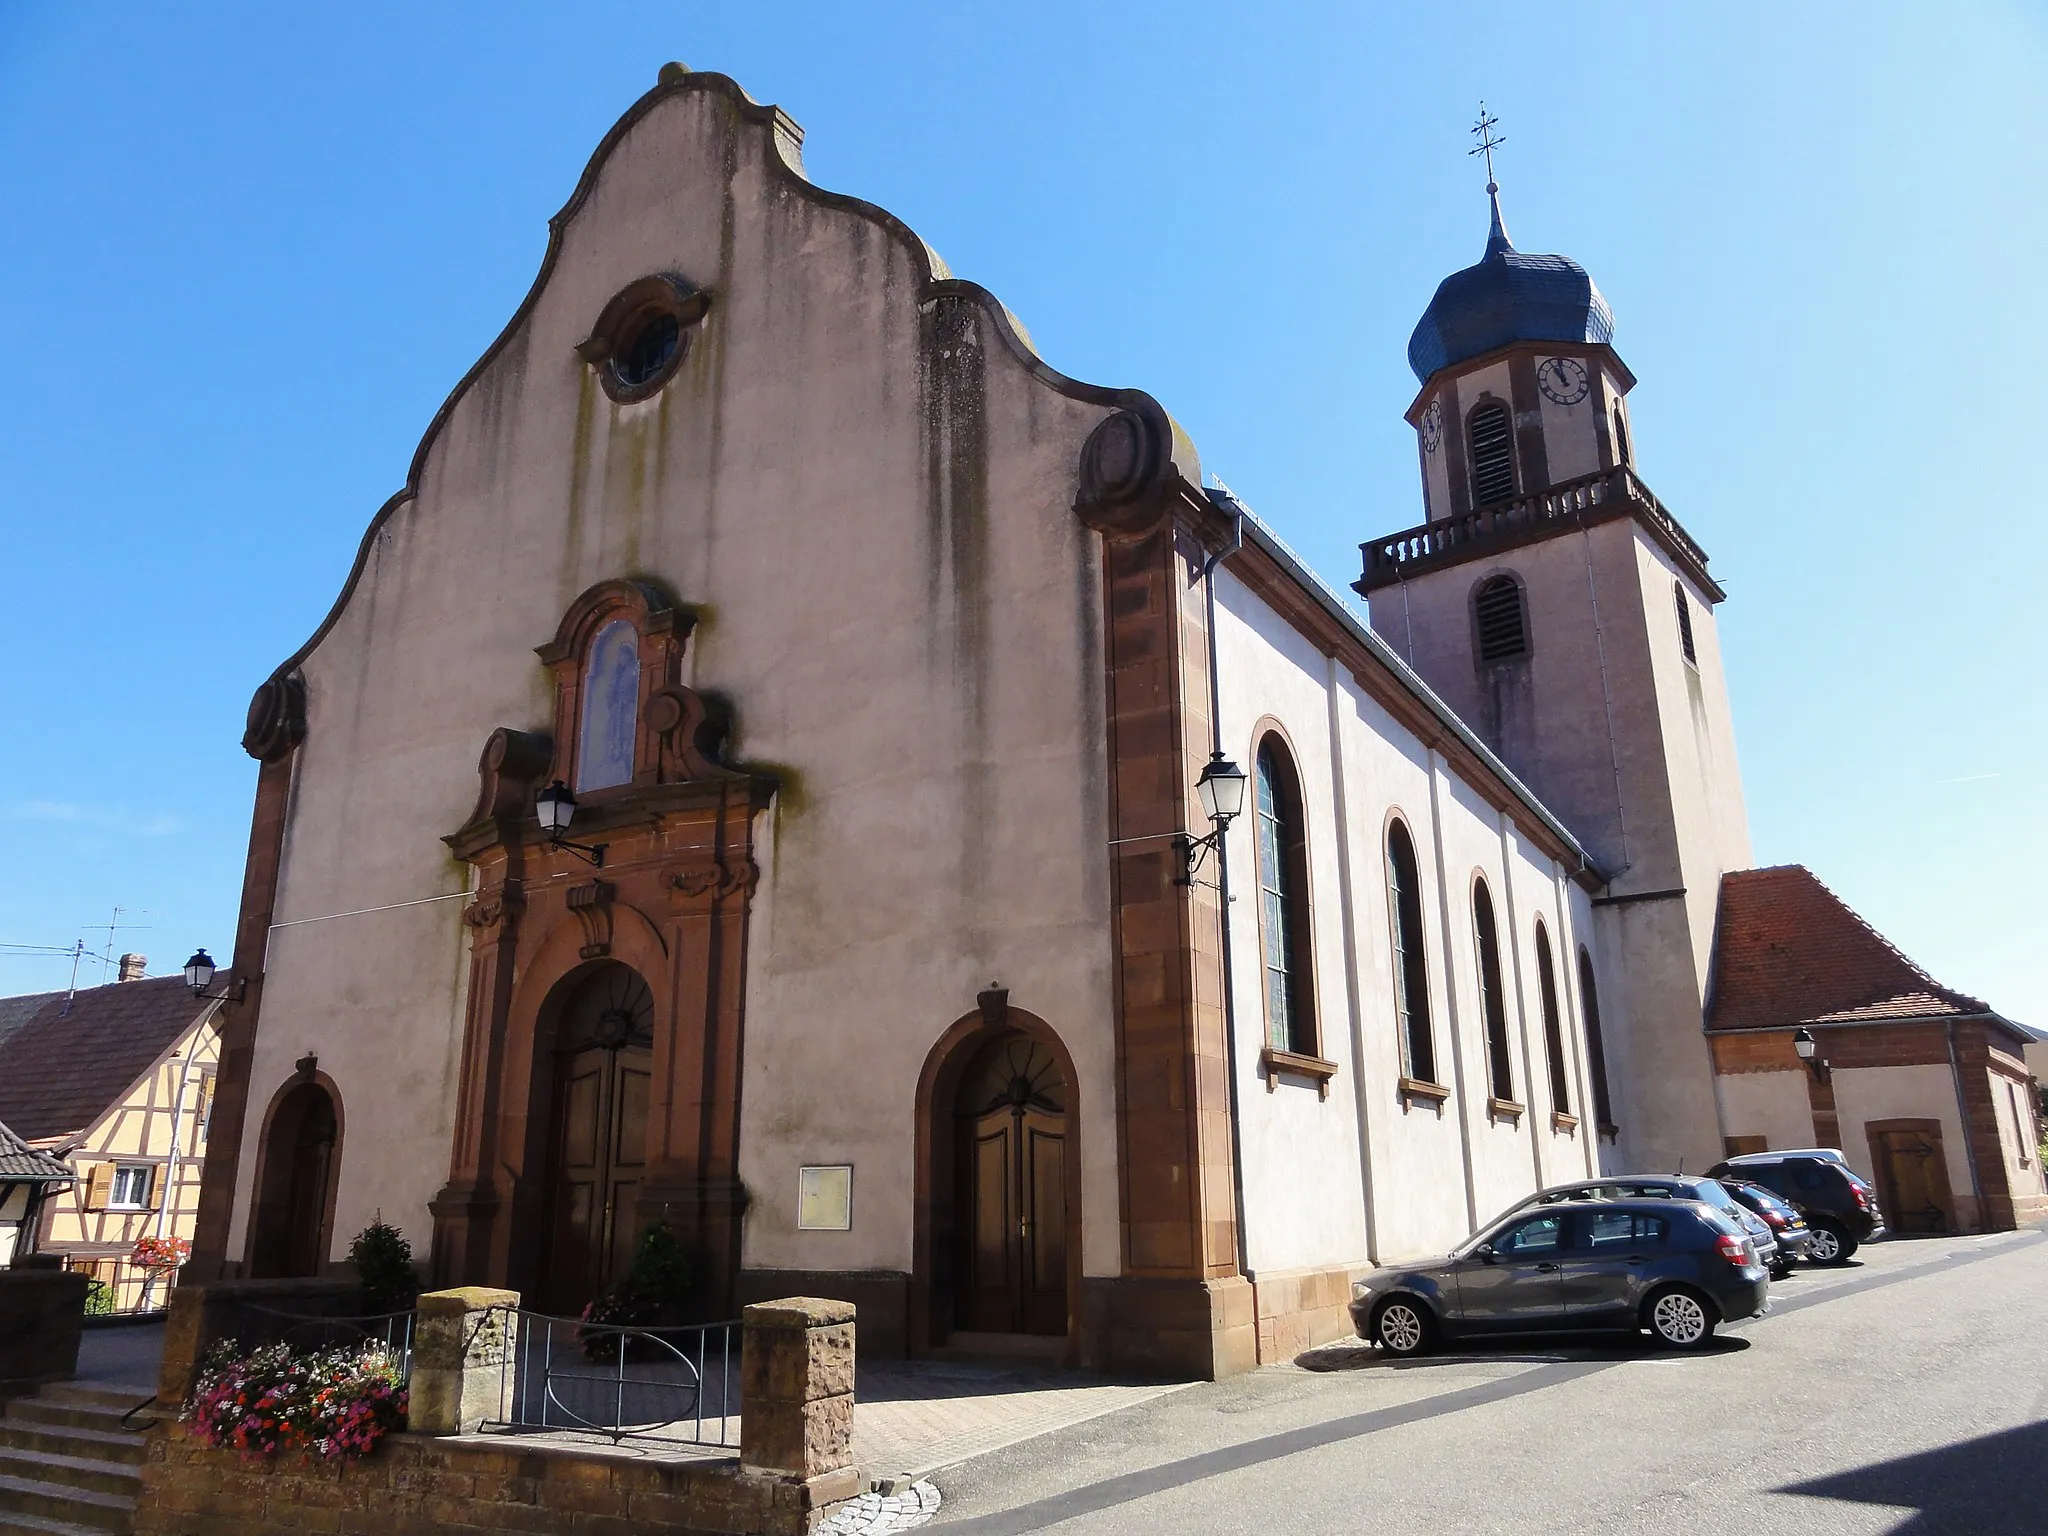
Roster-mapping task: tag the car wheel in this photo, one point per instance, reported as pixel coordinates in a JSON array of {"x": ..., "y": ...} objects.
[
  {"x": 1679, "y": 1318},
  {"x": 1403, "y": 1327},
  {"x": 1830, "y": 1246}
]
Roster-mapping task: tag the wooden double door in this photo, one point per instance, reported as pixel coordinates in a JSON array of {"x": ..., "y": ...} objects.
[
  {"x": 1012, "y": 1189},
  {"x": 604, "y": 1069}
]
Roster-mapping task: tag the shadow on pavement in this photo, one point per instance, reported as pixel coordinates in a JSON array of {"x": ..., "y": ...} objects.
[
  {"x": 1550, "y": 1349},
  {"x": 1990, "y": 1486}
]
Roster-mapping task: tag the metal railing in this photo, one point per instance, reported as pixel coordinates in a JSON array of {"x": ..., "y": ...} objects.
[
  {"x": 679, "y": 1385},
  {"x": 1608, "y": 492},
  {"x": 309, "y": 1331}
]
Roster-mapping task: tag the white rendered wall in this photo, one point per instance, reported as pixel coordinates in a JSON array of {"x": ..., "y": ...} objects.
[
  {"x": 1773, "y": 1105},
  {"x": 1333, "y": 1181},
  {"x": 2017, "y": 1138},
  {"x": 1863, "y": 1094}
]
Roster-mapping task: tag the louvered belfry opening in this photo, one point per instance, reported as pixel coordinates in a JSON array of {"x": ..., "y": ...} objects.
[
  {"x": 1493, "y": 453},
  {"x": 1684, "y": 623},
  {"x": 1503, "y": 628}
]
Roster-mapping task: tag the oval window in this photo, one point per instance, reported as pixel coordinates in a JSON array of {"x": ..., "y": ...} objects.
[{"x": 648, "y": 350}]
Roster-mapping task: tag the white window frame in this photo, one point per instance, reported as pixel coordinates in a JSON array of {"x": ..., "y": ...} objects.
[{"x": 128, "y": 1174}]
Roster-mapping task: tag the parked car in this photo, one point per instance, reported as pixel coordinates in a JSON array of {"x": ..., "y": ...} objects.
[
  {"x": 1838, "y": 1205},
  {"x": 1669, "y": 1186},
  {"x": 1676, "y": 1267},
  {"x": 1794, "y": 1236}
]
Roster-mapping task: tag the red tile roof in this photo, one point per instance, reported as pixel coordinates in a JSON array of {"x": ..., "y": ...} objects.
[
  {"x": 63, "y": 1067},
  {"x": 1789, "y": 951}
]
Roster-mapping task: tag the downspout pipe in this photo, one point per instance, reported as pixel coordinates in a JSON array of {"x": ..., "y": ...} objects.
[{"x": 1221, "y": 497}]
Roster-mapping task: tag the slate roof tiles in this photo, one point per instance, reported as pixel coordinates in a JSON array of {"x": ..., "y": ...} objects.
[
  {"x": 20, "y": 1161},
  {"x": 62, "y": 1067}
]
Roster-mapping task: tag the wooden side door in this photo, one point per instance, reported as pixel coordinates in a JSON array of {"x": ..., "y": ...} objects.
[
  {"x": 1043, "y": 1278},
  {"x": 1912, "y": 1173},
  {"x": 989, "y": 1296},
  {"x": 1015, "y": 1258}
]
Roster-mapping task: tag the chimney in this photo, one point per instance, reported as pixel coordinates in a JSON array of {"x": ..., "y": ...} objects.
[{"x": 133, "y": 968}]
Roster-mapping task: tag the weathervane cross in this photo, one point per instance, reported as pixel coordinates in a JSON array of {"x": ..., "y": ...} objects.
[{"x": 1483, "y": 131}]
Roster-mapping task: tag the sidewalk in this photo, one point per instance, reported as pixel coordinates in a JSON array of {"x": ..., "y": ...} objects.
[
  {"x": 909, "y": 1419},
  {"x": 913, "y": 1417}
]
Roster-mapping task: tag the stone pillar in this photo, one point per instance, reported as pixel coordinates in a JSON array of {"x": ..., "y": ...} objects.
[
  {"x": 42, "y": 1313},
  {"x": 463, "y": 1352},
  {"x": 796, "y": 1395}
]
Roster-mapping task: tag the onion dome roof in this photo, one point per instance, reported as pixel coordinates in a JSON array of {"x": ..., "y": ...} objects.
[{"x": 1507, "y": 296}]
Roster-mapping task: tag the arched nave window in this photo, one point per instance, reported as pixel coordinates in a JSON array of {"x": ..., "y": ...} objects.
[
  {"x": 1553, "y": 1024},
  {"x": 611, "y": 708},
  {"x": 1283, "y": 902},
  {"x": 1493, "y": 453},
  {"x": 1500, "y": 1071},
  {"x": 1596, "y": 1050},
  {"x": 1411, "y": 967}
]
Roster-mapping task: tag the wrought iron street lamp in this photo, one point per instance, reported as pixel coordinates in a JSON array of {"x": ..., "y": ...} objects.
[
  {"x": 1221, "y": 792},
  {"x": 554, "y": 807},
  {"x": 1808, "y": 1050},
  {"x": 199, "y": 974}
]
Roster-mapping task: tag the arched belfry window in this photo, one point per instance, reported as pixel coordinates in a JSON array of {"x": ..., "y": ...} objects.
[
  {"x": 1500, "y": 620},
  {"x": 1684, "y": 622},
  {"x": 1487, "y": 431},
  {"x": 1493, "y": 1002},
  {"x": 1411, "y": 965},
  {"x": 1283, "y": 902},
  {"x": 1553, "y": 1024},
  {"x": 1596, "y": 1049},
  {"x": 611, "y": 708},
  {"x": 1620, "y": 435}
]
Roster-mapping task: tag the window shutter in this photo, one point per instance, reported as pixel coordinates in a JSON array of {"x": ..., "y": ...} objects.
[
  {"x": 1497, "y": 608},
  {"x": 99, "y": 1185},
  {"x": 152, "y": 1189},
  {"x": 1493, "y": 454}
]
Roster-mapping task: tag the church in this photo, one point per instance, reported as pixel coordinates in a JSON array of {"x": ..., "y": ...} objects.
[{"x": 791, "y": 764}]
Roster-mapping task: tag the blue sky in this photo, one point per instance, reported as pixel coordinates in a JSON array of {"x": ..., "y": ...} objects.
[{"x": 249, "y": 249}]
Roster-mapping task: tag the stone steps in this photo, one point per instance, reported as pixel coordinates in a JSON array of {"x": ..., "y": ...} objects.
[
  {"x": 36, "y": 1525},
  {"x": 67, "y": 1463}
]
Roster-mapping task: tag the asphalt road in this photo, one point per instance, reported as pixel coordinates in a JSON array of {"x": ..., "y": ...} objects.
[{"x": 1907, "y": 1392}]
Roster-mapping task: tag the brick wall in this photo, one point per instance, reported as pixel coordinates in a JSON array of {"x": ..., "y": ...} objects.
[{"x": 412, "y": 1485}]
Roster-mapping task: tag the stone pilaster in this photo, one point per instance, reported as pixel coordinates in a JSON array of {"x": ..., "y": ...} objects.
[
  {"x": 464, "y": 1350},
  {"x": 796, "y": 1382}
]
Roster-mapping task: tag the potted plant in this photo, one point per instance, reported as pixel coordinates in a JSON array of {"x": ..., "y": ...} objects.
[
  {"x": 382, "y": 1260},
  {"x": 654, "y": 1293}
]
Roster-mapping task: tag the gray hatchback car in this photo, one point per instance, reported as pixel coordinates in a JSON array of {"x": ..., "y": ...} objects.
[
  {"x": 1676, "y": 1267},
  {"x": 1666, "y": 1186}
]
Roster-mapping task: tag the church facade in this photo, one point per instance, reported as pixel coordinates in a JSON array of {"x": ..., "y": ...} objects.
[{"x": 757, "y": 777}]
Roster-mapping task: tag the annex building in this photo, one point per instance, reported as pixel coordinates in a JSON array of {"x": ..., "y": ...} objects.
[{"x": 896, "y": 676}]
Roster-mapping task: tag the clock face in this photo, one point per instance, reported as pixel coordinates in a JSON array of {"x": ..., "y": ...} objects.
[
  {"x": 1432, "y": 426},
  {"x": 1563, "y": 379}
]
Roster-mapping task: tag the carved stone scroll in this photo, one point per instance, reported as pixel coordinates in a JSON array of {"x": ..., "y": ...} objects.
[
  {"x": 277, "y": 718},
  {"x": 591, "y": 902}
]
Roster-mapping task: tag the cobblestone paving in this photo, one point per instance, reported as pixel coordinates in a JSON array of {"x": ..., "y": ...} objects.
[
  {"x": 876, "y": 1514},
  {"x": 914, "y": 1417}
]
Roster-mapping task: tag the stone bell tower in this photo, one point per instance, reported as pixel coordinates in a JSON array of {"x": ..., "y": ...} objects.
[{"x": 1562, "y": 610}]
